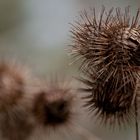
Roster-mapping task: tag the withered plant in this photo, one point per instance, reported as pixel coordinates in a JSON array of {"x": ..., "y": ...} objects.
[{"x": 108, "y": 47}]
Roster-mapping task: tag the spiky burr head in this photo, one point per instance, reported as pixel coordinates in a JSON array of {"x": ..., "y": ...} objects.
[
  {"x": 111, "y": 98},
  {"x": 109, "y": 48},
  {"x": 16, "y": 89},
  {"x": 13, "y": 82},
  {"x": 113, "y": 39},
  {"x": 53, "y": 106}
]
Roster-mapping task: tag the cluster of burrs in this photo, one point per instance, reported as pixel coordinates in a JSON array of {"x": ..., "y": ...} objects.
[
  {"x": 109, "y": 49},
  {"x": 26, "y": 104}
]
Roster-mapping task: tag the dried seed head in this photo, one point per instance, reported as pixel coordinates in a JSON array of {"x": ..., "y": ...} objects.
[
  {"x": 111, "y": 97},
  {"x": 54, "y": 106},
  {"x": 110, "y": 41},
  {"x": 110, "y": 50},
  {"x": 15, "y": 92},
  {"x": 13, "y": 80}
]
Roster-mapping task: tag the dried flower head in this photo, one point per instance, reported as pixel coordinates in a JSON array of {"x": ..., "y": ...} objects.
[
  {"x": 111, "y": 40},
  {"x": 53, "y": 106},
  {"x": 15, "y": 120},
  {"x": 111, "y": 97},
  {"x": 13, "y": 82},
  {"x": 110, "y": 50}
]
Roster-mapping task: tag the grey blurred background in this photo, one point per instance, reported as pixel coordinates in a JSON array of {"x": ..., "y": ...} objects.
[{"x": 36, "y": 32}]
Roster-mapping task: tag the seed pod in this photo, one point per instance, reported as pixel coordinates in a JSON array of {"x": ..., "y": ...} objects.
[
  {"x": 113, "y": 40},
  {"x": 14, "y": 79},
  {"x": 53, "y": 106},
  {"x": 15, "y": 122},
  {"x": 109, "y": 47},
  {"x": 111, "y": 97}
]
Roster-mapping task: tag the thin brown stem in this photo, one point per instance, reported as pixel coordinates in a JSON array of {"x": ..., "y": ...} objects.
[{"x": 136, "y": 120}]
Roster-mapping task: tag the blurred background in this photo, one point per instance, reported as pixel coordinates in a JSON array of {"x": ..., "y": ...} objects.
[{"x": 36, "y": 32}]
